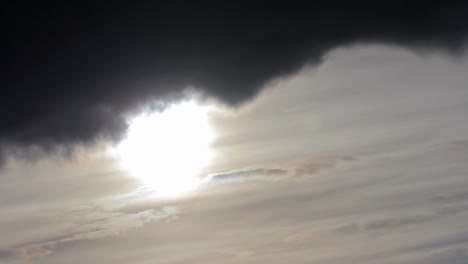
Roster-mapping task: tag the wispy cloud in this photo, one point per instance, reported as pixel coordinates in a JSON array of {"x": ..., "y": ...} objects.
[
  {"x": 90, "y": 223},
  {"x": 248, "y": 174}
]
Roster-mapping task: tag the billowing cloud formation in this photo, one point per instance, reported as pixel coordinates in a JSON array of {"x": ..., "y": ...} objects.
[{"x": 71, "y": 70}]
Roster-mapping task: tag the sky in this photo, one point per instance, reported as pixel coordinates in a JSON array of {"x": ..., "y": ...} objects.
[{"x": 222, "y": 135}]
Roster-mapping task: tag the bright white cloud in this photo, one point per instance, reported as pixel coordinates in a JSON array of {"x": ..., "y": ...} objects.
[{"x": 168, "y": 150}]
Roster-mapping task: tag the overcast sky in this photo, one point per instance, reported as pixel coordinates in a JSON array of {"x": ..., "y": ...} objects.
[
  {"x": 360, "y": 160},
  {"x": 232, "y": 133}
]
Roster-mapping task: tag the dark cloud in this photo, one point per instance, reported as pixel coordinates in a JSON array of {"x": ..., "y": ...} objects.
[
  {"x": 393, "y": 223},
  {"x": 69, "y": 71},
  {"x": 245, "y": 174},
  {"x": 7, "y": 255},
  {"x": 452, "y": 197},
  {"x": 451, "y": 255},
  {"x": 387, "y": 224}
]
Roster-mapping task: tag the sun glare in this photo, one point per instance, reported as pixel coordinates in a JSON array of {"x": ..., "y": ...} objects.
[{"x": 168, "y": 150}]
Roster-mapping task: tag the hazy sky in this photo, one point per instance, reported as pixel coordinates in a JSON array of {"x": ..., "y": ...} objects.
[{"x": 361, "y": 159}]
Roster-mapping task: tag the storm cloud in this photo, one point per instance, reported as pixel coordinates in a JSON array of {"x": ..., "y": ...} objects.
[{"x": 70, "y": 72}]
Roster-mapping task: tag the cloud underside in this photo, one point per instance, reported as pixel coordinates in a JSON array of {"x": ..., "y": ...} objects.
[{"x": 72, "y": 72}]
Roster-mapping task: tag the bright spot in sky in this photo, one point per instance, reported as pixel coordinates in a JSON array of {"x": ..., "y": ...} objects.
[{"x": 167, "y": 150}]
